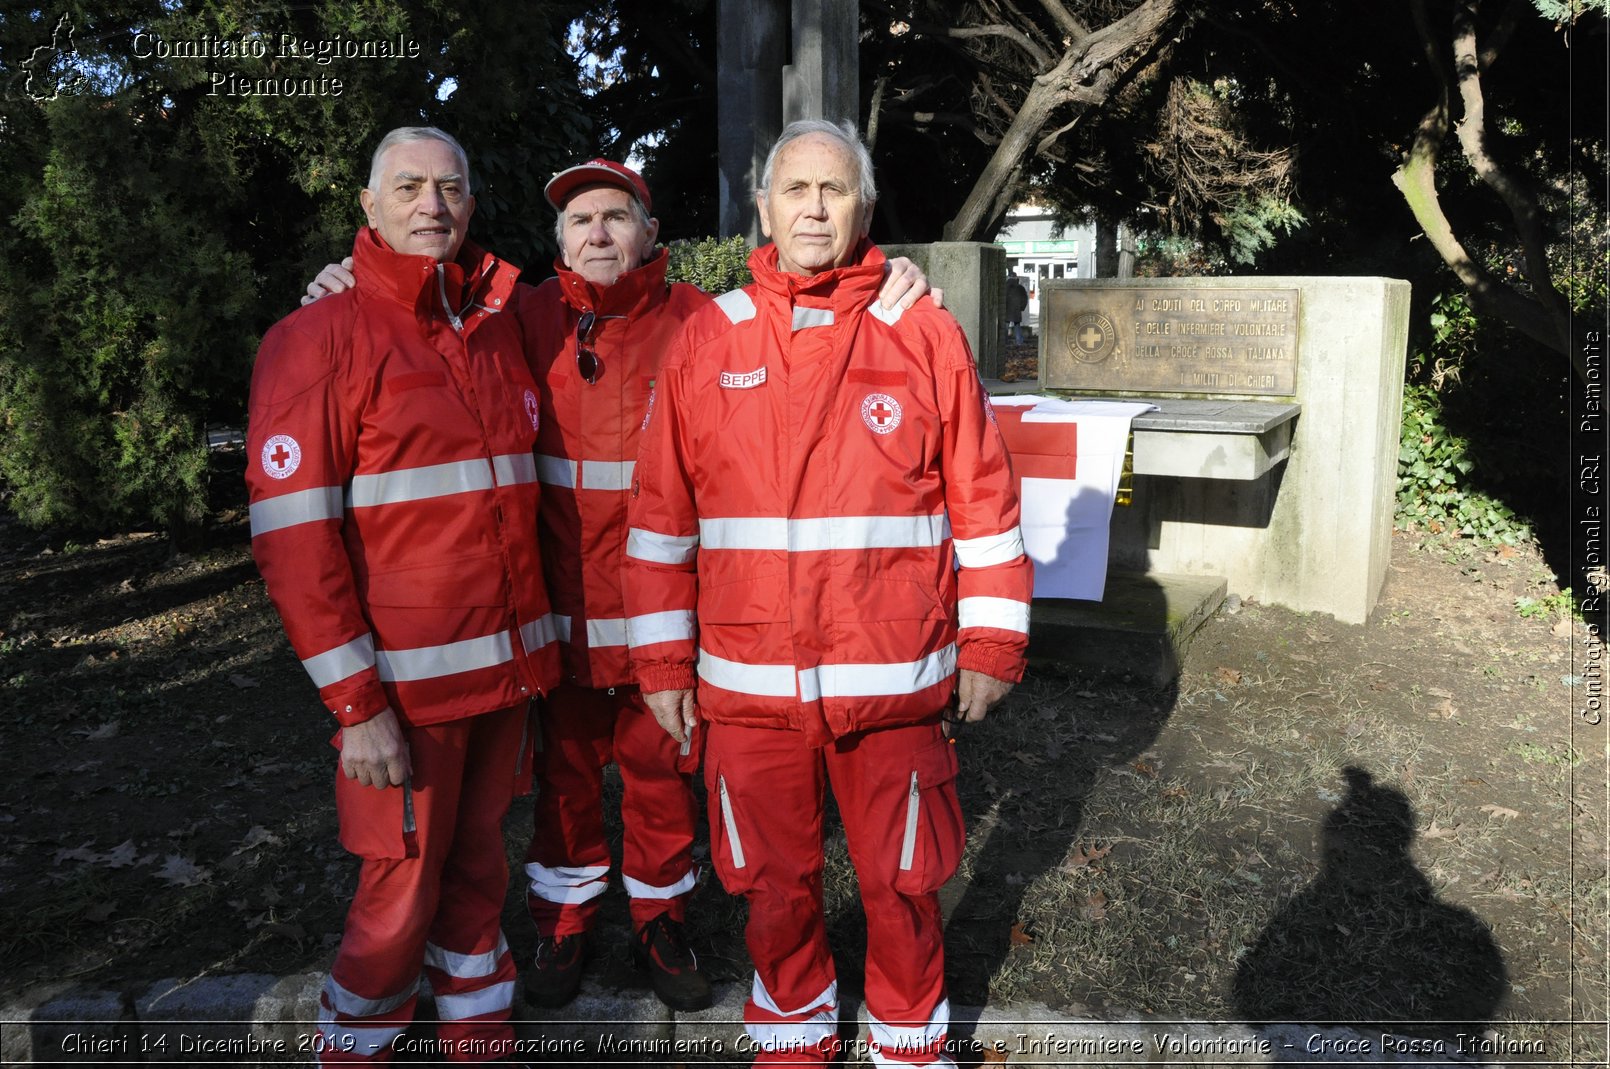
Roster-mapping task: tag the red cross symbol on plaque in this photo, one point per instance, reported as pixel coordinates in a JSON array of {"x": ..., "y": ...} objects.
[
  {"x": 1090, "y": 338},
  {"x": 280, "y": 455},
  {"x": 882, "y": 413}
]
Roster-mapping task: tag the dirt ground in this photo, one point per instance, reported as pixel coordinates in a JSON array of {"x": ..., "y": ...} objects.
[{"x": 1402, "y": 821}]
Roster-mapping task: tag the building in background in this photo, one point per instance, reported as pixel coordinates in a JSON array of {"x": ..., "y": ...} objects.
[{"x": 1038, "y": 248}]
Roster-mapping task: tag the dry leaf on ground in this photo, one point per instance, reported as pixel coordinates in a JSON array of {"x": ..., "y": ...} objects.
[
  {"x": 1499, "y": 811},
  {"x": 183, "y": 872},
  {"x": 1020, "y": 935},
  {"x": 1082, "y": 856}
]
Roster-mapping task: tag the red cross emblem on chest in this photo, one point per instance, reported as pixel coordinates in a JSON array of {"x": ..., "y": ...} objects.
[{"x": 881, "y": 413}]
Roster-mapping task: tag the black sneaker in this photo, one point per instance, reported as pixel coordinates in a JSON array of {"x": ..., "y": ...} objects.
[
  {"x": 673, "y": 969},
  {"x": 555, "y": 974}
]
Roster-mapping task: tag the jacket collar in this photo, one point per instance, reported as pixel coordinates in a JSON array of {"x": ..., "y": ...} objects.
[
  {"x": 636, "y": 290},
  {"x": 476, "y": 281},
  {"x": 848, "y": 288}
]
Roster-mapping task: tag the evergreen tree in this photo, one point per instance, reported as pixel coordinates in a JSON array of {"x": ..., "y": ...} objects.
[{"x": 176, "y": 171}]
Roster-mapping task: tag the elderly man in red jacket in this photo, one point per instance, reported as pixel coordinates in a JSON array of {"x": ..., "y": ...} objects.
[
  {"x": 813, "y": 472},
  {"x": 594, "y": 336},
  {"x": 393, "y": 502}
]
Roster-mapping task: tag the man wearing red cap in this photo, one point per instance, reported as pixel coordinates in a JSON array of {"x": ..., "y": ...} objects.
[{"x": 594, "y": 336}]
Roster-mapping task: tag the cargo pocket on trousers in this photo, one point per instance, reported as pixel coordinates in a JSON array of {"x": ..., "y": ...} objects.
[
  {"x": 932, "y": 835},
  {"x": 726, "y": 845},
  {"x": 376, "y": 824}
]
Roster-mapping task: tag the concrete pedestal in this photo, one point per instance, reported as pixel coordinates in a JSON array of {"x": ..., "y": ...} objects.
[{"x": 973, "y": 276}]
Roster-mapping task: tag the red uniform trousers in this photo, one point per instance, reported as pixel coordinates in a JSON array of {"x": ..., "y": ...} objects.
[
  {"x": 567, "y": 863},
  {"x": 896, "y": 792},
  {"x": 430, "y": 893}
]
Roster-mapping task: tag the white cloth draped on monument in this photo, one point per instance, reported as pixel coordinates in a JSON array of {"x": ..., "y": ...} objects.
[{"x": 1066, "y": 456}]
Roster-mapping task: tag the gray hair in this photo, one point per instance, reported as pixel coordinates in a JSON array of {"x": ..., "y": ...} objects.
[
  {"x": 559, "y": 220},
  {"x": 844, "y": 133},
  {"x": 404, "y": 134}
]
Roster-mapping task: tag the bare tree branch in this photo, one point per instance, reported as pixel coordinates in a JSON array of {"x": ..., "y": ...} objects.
[
  {"x": 1523, "y": 206},
  {"x": 1545, "y": 320},
  {"x": 1076, "y": 30},
  {"x": 1010, "y": 33}
]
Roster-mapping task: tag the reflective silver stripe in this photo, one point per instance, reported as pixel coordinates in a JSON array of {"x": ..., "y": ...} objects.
[
  {"x": 889, "y": 316},
  {"x": 567, "y": 884},
  {"x": 673, "y": 625},
  {"x": 744, "y": 532},
  {"x": 639, "y": 889},
  {"x": 822, "y": 533},
  {"x": 466, "y": 966},
  {"x": 812, "y": 317},
  {"x": 606, "y": 633},
  {"x": 736, "y": 305},
  {"x": 906, "y": 1039},
  {"x": 418, "y": 484},
  {"x": 868, "y": 532},
  {"x": 661, "y": 548},
  {"x": 908, "y": 844},
  {"x": 513, "y": 469},
  {"x": 607, "y": 474},
  {"x": 870, "y": 680},
  {"x": 488, "y": 999},
  {"x": 344, "y": 1002},
  {"x": 735, "y": 845},
  {"x": 450, "y": 658},
  {"x": 538, "y": 633},
  {"x": 334, "y": 665},
  {"x": 561, "y": 627},
  {"x": 828, "y": 1000},
  {"x": 765, "y": 680},
  {"x": 556, "y": 471},
  {"x": 1008, "y": 614},
  {"x": 993, "y": 549},
  {"x": 288, "y": 510},
  {"x": 358, "y": 1039}
]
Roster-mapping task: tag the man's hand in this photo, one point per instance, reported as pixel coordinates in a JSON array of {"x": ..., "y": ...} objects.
[
  {"x": 904, "y": 282},
  {"x": 977, "y": 694},
  {"x": 674, "y": 711},
  {"x": 375, "y": 753},
  {"x": 333, "y": 279}
]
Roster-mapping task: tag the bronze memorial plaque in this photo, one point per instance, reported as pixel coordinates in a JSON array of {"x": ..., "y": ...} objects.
[{"x": 1170, "y": 339}]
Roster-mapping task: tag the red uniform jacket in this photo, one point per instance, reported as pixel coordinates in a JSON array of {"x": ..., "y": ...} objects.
[
  {"x": 813, "y": 472},
  {"x": 587, "y": 445},
  {"x": 394, "y": 493}
]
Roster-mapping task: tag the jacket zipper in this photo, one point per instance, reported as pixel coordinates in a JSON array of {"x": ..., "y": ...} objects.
[
  {"x": 908, "y": 845},
  {"x": 441, "y": 287},
  {"x": 733, "y": 842}
]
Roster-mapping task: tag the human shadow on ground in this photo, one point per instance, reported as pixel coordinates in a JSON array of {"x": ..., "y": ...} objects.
[{"x": 1368, "y": 943}]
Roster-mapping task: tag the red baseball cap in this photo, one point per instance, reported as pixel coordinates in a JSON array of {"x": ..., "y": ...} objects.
[{"x": 596, "y": 172}]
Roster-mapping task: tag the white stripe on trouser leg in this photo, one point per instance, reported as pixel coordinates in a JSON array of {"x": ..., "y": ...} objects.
[
  {"x": 910, "y": 1042},
  {"x": 793, "y": 1035},
  {"x": 348, "y": 1004},
  {"x": 491, "y": 999},
  {"x": 353, "y": 1036},
  {"x": 466, "y": 966},
  {"x": 567, "y": 885},
  {"x": 639, "y": 889}
]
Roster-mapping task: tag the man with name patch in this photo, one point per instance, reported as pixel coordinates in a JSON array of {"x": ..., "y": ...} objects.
[
  {"x": 393, "y": 513},
  {"x": 813, "y": 470}
]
